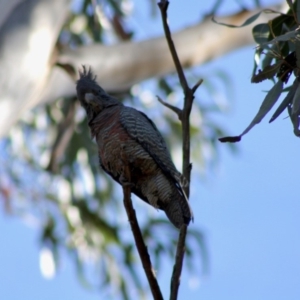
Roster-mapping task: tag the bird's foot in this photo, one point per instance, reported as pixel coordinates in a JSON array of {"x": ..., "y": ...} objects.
[{"x": 124, "y": 182}]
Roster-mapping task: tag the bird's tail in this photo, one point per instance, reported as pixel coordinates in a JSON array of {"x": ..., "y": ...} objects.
[{"x": 178, "y": 209}]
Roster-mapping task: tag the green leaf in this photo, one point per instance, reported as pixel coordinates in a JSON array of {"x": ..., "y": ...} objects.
[
  {"x": 296, "y": 101},
  {"x": 267, "y": 73},
  {"x": 267, "y": 60},
  {"x": 298, "y": 11},
  {"x": 287, "y": 89},
  {"x": 266, "y": 106},
  {"x": 261, "y": 33},
  {"x": 297, "y": 47},
  {"x": 281, "y": 22},
  {"x": 286, "y": 101},
  {"x": 269, "y": 56},
  {"x": 165, "y": 86},
  {"x": 247, "y": 22},
  {"x": 284, "y": 47},
  {"x": 294, "y": 34},
  {"x": 257, "y": 55},
  {"x": 295, "y": 121}
]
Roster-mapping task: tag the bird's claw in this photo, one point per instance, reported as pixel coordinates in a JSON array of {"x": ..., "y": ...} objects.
[
  {"x": 124, "y": 182},
  {"x": 127, "y": 184}
]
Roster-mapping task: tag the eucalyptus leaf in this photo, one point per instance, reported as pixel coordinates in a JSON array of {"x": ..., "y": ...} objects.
[
  {"x": 267, "y": 73},
  {"x": 261, "y": 33},
  {"x": 279, "y": 24},
  {"x": 295, "y": 121},
  {"x": 298, "y": 11},
  {"x": 247, "y": 22},
  {"x": 267, "y": 61},
  {"x": 286, "y": 101},
  {"x": 256, "y": 60},
  {"x": 291, "y": 46},
  {"x": 296, "y": 100},
  {"x": 266, "y": 106},
  {"x": 294, "y": 34},
  {"x": 297, "y": 47},
  {"x": 287, "y": 89}
]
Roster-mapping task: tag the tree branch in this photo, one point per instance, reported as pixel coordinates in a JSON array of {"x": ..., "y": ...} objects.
[
  {"x": 28, "y": 34},
  {"x": 176, "y": 110},
  {"x": 175, "y": 280},
  {"x": 163, "y": 6},
  {"x": 185, "y": 122},
  {"x": 139, "y": 241}
]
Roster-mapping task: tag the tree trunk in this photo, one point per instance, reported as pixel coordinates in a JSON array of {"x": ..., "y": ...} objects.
[{"x": 27, "y": 39}]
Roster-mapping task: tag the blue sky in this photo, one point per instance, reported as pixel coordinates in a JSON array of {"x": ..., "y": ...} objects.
[{"x": 248, "y": 208}]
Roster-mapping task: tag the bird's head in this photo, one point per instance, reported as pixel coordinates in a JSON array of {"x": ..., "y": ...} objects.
[{"x": 91, "y": 96}]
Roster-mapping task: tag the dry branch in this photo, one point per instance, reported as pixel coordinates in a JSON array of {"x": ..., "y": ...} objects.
[
  {"x": 176, "y": 109},
  {"x": 184, "y": 116},
  {"x": 138, "y": 238},
  {"x": 175, "y": 280}
]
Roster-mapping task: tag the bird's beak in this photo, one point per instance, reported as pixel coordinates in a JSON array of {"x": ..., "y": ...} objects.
[{"x": 89, "y": 98}]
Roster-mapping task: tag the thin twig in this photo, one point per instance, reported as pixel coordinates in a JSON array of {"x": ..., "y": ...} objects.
[
  {"x": 186, "y": 144},
  {"x": 175, "y": 280},
  {"x": 163, "y": 6},
  {"x": 198, "y": 83},
  {"x": 177, "y": 110},
  {"x": 139, "y": 241},
  {"x": 188, "y": 93}
]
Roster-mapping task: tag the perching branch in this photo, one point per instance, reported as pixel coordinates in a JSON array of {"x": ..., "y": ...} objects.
[
  {"x": 184, "y": 116},
  {"x": 176, "y": 110},
  {"x": 175, "y": 280},
  {"x": 142, "y": 249}
]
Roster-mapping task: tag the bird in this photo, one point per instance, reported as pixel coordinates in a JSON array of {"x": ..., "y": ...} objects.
[{"x": 123, "y": 132}]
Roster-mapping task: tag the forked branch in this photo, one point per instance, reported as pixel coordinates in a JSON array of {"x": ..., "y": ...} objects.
[{"x": 184, "y": 116}]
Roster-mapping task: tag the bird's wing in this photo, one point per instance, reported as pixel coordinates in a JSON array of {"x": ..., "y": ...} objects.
[
  {"x": 144, "y": 131},
  {"x": 133, "y": 188}
]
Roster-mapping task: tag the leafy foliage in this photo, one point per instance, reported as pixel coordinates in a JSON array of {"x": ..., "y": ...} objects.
[{"x": 278, "y": 54}]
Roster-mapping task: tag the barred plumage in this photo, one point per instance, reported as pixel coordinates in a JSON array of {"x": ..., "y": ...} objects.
[{"x": 122, "y": 131}]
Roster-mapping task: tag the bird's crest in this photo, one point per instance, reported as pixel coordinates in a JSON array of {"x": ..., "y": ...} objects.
[{"x": 87, "y": 74}]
